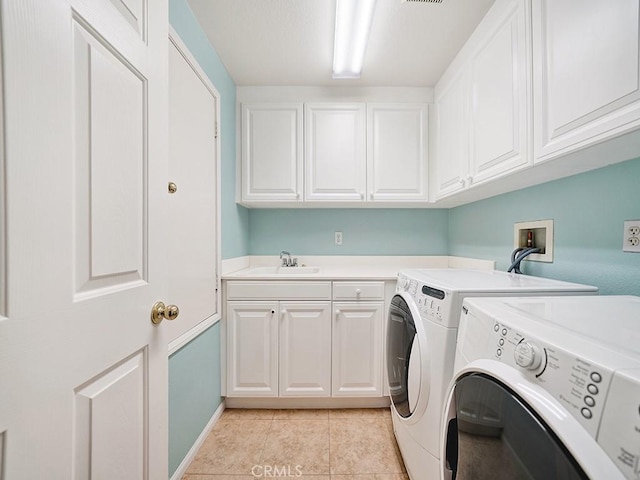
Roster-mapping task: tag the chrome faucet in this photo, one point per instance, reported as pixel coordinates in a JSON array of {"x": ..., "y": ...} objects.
[{"x": 287, "y": 261}]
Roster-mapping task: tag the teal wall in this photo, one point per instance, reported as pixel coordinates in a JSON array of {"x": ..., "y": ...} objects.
[
  {"x": 194, "y": 392},
  {"x": 365, "y": 231},
  {"x": 588, "y": 212},
  {"x": 235, "y": 219}
]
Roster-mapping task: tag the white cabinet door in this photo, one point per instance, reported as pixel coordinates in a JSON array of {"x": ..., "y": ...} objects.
[
  {"x": 396, "y": 152},
  {"x": 335, "y": 152},
  {"x": 83, "y": 162},
  {"x": 272, "y": 152},
  {"x": 586, "y": 73},
  {"x": 305, "y": 349},
  {"x": 499, "y": 97},
  {"x": 252, "y": 349},
  {"x": 357, "y": 349},
  {"x": 451, "y": 167}
]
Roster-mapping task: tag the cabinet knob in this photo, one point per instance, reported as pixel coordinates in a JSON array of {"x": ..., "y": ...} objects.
[
  {"x": 361, "y": 195},
  {"x": 283, "y": 313},
  {"x": 337, "y": 312},
  {"x": 462, "y": 182},
  {"x": 371, "y": 196},
  {"x": 358, "y": 292},
  {"x": 273, "y": 312}
]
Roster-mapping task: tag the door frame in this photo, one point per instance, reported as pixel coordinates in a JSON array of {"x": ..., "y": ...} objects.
[{"x": 3, "y": 193}]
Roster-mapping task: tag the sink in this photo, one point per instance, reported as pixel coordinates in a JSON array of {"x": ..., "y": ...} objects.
[{"x": 280, "y": 271}]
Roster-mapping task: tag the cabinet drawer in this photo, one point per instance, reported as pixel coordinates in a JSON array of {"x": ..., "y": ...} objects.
[
  {"x": 278, "y": 290},
  {"x": 358, "y": 290}
]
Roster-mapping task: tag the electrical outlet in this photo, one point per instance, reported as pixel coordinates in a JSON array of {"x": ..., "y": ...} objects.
[
  {"x": 338, "y": 238},
  {"x": 631, "y": 236}
]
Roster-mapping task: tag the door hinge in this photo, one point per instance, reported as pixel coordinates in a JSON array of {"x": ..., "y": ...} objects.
[{"x": 216, "y": 134}]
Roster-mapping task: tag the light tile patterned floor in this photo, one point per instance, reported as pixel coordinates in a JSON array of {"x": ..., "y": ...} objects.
[{"x": 341, "y": 444}]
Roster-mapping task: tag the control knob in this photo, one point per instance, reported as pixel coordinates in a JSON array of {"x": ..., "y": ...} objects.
[{"x": 528, "y": 355}]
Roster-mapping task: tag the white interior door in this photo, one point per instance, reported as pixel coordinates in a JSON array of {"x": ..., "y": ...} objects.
[
  {"x": 192, "y": 215},
  {"x": 82, "y": 368}
]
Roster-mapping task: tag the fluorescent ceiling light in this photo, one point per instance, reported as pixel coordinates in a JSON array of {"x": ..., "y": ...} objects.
[{"x": 353, "y": 22}]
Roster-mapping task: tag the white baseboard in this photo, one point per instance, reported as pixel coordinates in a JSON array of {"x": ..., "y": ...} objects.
[
  {"x": 191, "y": 454},
  {"x": 316, "y": 402}
]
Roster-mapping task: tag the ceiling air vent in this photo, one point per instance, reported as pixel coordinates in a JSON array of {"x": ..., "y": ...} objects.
[{"x": 421, "y": 1}]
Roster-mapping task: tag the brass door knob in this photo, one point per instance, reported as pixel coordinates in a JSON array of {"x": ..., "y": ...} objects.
[
  {"x": 173, "y": 188},
  {"x": 159, "y": 312}
]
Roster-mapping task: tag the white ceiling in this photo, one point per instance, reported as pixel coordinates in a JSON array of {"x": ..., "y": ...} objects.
[{"x": 290, "y": 42}]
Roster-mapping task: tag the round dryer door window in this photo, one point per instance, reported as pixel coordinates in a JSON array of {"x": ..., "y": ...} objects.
[{"x": 406, "y": 350}]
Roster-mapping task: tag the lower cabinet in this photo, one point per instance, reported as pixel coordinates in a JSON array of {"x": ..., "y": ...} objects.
[
  {"x": 305, "y": 349},
  {"x": 296, "y": 348},
  {"x": 252, "y": 332},
  {"x": 357, "y": 357}
]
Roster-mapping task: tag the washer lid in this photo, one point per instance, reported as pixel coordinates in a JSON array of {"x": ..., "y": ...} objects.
[
  {"x": 613, "y": 321},
  {"x": 470, "y": 280}
]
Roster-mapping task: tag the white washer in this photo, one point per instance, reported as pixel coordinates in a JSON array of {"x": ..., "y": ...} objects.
[
  {"x": 421, "y": 340},
  {"x": 545, "y": 388}
]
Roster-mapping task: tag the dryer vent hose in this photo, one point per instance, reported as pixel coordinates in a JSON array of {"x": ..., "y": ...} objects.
[{"x": 518, "y": 255}]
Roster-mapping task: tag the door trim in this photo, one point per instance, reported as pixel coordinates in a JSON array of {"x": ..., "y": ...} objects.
[
  {"x": 3, "y": 193},
  {"x": 192, "y": 333}
]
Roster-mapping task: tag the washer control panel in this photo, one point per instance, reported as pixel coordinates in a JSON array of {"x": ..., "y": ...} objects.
[
  {"x": 406, "y": 284},
  {"x": 433, "y": 303},
  {"x": 578, "y": 384}
]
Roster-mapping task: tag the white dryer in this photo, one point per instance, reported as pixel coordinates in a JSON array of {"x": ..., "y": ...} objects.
[
  {"x": 421, "y": 340},
  {"x": 545, "y": 388}
]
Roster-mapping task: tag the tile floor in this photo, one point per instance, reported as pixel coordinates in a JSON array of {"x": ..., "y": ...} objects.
[{"x": 341, "y": 444}]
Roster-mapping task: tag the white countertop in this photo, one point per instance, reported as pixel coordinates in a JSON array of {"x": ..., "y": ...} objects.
[{"x": 343, "y": 267}]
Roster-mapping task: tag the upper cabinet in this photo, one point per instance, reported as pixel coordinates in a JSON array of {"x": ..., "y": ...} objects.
[
  {"x": 482, "y": 104},
  {"x": 335, "y": 151},
  {"x": 586, "y": 73},
  {"x": 499, "y": 72},
  {"x": 541, "y": 89},
  {"x": 397, "y": 152},
  {"x": 354, "y": 153},
  {"x": 450, "y": 164},
  {"x": 272, "y": 161}
]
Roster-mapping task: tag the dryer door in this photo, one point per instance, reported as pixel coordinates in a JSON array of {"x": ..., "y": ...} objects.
[
  {"x": 407, "y": 357},
  {"x": 493, "y": 433}
]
